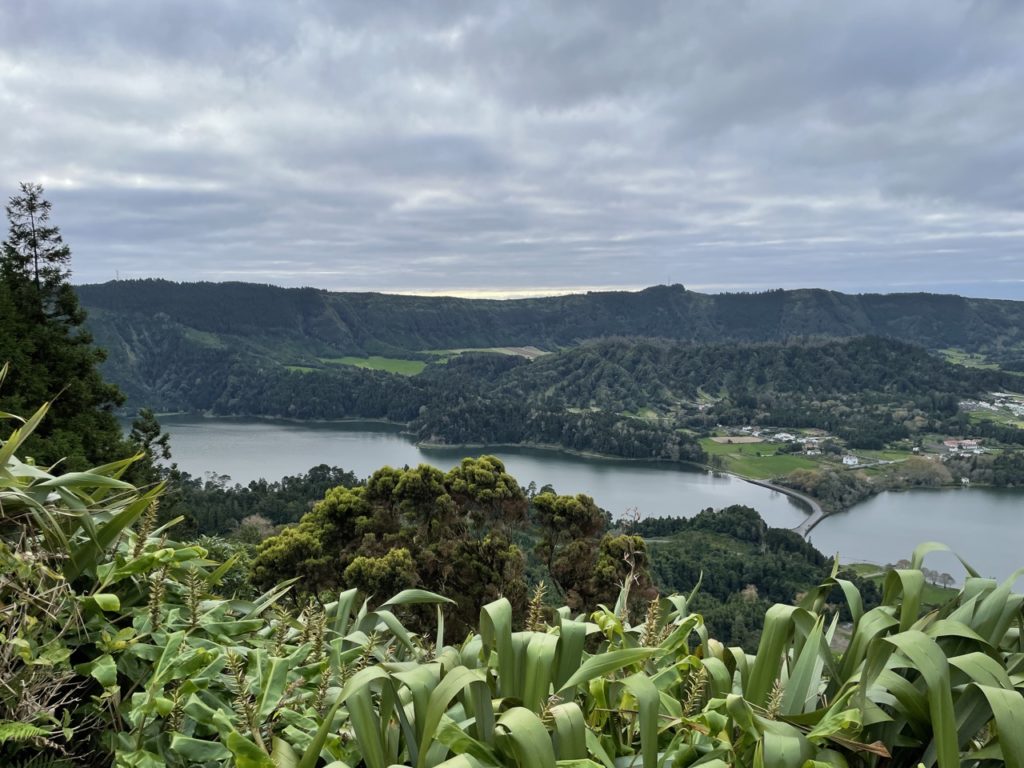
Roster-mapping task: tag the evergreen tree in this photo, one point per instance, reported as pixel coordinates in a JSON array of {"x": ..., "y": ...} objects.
[
  {"x": 51, "y": 355},
  {"x": 148, "y": 438},
  {"x": 34, "y": 251}
]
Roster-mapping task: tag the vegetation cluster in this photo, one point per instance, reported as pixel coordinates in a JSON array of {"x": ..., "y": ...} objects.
[
  {"x": 46, "y": 345},
  {"x": 122, "y": 647}
]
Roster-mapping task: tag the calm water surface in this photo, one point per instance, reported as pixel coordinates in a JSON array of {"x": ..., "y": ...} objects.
[
  {"x": 983, "y": 525},
  {"x": 247, "y": 449}
]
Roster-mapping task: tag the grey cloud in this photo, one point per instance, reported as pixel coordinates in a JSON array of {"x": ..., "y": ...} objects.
[{"x": 528, "y": 146}]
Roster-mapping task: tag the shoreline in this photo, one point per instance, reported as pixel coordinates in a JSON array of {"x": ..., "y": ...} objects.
[
  {"x": 290, "y": 420},
  {"x": 815, "y": 515},
  {"x": 553, "y": 448}
]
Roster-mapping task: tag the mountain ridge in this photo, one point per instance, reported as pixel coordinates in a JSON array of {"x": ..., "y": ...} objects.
[{"x": 369, "y": 322}]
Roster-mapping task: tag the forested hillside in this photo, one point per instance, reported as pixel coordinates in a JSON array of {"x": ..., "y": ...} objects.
[
  {"x": 138, "y": 320},
  {"x": 638, "y": 375},
  {"x": 626, "y": 397}
]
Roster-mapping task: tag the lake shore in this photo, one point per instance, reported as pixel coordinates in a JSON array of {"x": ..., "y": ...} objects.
[
  {"x": 814, "y": 510},
  {"x": 554, "y": 448}
]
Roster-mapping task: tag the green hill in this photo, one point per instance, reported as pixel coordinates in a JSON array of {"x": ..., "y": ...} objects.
[
  {"x": 304, "y": 326},
  {"x": 628, "y": 374}
]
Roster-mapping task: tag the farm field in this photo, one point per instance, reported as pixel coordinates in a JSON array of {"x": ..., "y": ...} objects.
[
  {"x": 375, "y": 363},
  {"x": 743, "y": 459},
  {"x": 647, "y": 414},
  {"x": 1000, "y": 417},
  {"x": 528, "y": 352},
  {"x": 883, "y": 455},
  {"x": 968, "y": 359}
]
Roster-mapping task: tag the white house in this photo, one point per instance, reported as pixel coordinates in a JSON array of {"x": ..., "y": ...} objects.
[{"x": 850, "y": 460}]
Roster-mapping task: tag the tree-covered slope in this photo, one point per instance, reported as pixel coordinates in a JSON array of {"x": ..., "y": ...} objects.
[
  {"x": 290, "y": 324},
  {"x": 636, "y": 398}
]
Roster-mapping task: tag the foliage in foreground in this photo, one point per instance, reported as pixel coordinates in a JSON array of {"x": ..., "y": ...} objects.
[
  {"x": 116, "y": 646},
  {"x": 462, "y": 533}
]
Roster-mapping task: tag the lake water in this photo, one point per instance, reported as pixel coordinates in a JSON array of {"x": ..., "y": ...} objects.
[
  {"x": 983, "y": 525},
  {"x": 247, "y": 449}
]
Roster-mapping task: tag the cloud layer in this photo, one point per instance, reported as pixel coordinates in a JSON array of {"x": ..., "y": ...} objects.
[{"x": 525, "y": 147}]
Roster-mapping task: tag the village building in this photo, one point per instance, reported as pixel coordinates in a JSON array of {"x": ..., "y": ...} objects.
[{"x": 961, "y": 445}]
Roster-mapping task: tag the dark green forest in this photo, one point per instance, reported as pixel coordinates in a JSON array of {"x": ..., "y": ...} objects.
[
  {"x": 741, "y": 564},
  {"x": 283, "y": 323},
  {"x": 867, "y": 391}
]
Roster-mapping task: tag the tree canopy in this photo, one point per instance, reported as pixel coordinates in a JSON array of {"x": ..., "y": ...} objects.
[
  {"x": 50, "y": 352},
  {"x": 462, "y": 533}
]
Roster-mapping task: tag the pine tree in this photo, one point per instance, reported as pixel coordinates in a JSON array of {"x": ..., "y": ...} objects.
[
  {"x": 51, "y": 354},
  {"x": 34, "y": 250}
]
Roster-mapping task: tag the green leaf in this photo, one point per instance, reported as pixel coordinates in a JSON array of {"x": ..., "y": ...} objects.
[
  {"x": 910, "y": 585},
  {"x": 103, "y": 670},
  {"x": 283, "y": 755},
  {"x": 247, "y": 754},
  {"x": 800, "y": 693},
  {"x": 1008, "y": 711},
  {"x": 366, "y": 726},
  {"x": 570, "y": 731},
  {"x": 452, "y": 684},
  {"x": 18, "y": 436},
  {"x": 572, "y": 636},
  {"x": 610, "y": 661},
  {"x": 496, "y": 632},
  {"x": 11, "y": 731},
  {"x": 417, "y": 597},
  {"x": 540, "y": 660},
  {"x": 198, "y": 750},
  {"x": 775, "y": 638},
  {"x": 929, "y": 660},
  {"x": 84, "y": 480},
  {"x": 646, "y": 694},
  {"x": 522, "y": 736},
  {"x": 86, "y": 555}
]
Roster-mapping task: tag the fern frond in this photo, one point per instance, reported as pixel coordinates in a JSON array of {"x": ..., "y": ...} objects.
[{"x": 11, "y": 730}]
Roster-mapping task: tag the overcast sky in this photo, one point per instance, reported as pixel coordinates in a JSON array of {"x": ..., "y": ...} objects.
[{"x": 522, "y": 147}]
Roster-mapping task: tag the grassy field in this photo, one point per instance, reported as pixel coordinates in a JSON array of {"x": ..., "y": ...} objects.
[
  {"x": 528, "y": 352},
  {"x": 1000, "y": 417},
  {"x": 647, "y": 414},
  {"x": 884, "y": 455},
  {"x": 968, "y": 359},
  {"x": 742, "y": 458},
  {"x": 389, "y": 364},
  {"x": 204, "y": 339}
]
